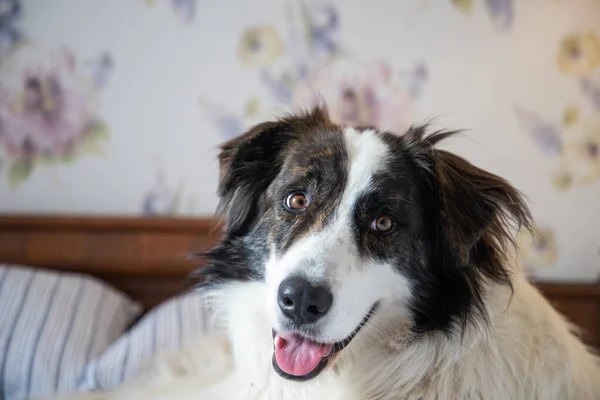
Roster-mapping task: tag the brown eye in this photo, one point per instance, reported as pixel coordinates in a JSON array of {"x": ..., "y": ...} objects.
[
  {"x": 296, "y": 202},
  {"x": 382, "y": 224}
]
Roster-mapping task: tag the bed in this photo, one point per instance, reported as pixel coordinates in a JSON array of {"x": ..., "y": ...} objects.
[
  {"x": 56, "y": 343},
  {"x": 149, "y": 259}
]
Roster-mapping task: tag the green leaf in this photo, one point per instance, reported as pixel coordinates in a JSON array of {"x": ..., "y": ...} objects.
[
  {"x": 96, "y": 132},
  {"x": 91, "y": 149},
  {"x": 466, "y": 6},
  {"x": 252, "y": 107},
  {"x": 306, "y": 24},
  {"x": 69, "y": 157},
  {"x": 91, "y": 142},
  {"x": 46, "y": 159},
  {"x": 19, "y": 172}
]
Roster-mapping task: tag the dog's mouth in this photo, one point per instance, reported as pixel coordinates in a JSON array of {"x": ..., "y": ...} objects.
[{"x": 299, "y": 358}]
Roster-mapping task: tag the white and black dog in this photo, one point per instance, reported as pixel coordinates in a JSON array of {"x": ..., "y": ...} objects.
[{"x": 359, "y": 264}]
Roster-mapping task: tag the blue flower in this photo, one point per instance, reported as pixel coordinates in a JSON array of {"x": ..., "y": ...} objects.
[
  {"x": 101, "y": 68},
  {"x": 323, "y": 25},
  {"x": 314, "y": 35},
  {"x": 229, "y": 126},
  {"x": 501, "y": 12},
  {"x": 279, "y": 89},
  {"x": 547, "y": 137},
  {"x": 10, "y": 12},
  {"x": 186, "y": 8}
]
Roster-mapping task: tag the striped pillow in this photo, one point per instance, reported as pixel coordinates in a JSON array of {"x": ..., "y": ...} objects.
[
  {"x": 164, "y": 329},
  {"x": 51, "y": 325}
]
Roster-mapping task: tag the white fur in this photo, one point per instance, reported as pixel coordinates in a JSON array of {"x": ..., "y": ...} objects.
[
  {"x": 330, "y": 256},
  {"x": 527, "y": 351}
]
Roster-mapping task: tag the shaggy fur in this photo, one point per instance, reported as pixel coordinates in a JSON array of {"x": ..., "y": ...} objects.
[{"x": 448, "y": 313}]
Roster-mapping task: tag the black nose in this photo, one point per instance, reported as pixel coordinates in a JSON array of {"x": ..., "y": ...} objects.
[{"x": 302, "y": 301}]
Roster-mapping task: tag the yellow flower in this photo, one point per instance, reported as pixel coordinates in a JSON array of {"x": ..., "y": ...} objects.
[
  {"x": 252, "y": 107},
  {"x": 260, "y": 46},
  {"x": 570, "y": 116},
  {"x": 581, "y": 156},
  {"x": 465, "y": 6},
  {"x": 562, "y": 179},
  {"x": 579, "y": 54},
  {"x": 537, "y": 248}
]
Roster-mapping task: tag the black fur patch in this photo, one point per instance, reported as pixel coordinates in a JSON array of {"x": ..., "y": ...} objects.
[
  {"x": 467, "y": 216},
  {"x": 259, "y": 169}
]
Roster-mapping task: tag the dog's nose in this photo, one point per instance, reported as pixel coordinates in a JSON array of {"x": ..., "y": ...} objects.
[{"x": 302, "y": 301}]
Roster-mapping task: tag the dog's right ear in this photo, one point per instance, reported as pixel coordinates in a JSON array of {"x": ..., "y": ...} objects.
[
  {"x": 251, "y": 161},
  {"x": 248, "y": 164}
]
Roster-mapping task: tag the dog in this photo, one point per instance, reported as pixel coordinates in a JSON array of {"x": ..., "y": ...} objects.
[{"x": 360, "y": 264}]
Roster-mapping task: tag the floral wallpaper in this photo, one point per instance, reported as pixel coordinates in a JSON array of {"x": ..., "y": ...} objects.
[
  {"x": 184, "y": 9},
  {"x": 317, "y": 68},
  {"x": 573, "y": 141},
  {"x": 113, "y": 107},
  {"x": 48, "y": 101}
]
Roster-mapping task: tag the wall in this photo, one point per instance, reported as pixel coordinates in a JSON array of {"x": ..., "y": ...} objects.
[{"x": 117, "y": 107}]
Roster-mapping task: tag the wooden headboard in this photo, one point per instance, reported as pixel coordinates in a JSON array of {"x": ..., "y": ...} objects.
[{"x": 147, "y": 258}]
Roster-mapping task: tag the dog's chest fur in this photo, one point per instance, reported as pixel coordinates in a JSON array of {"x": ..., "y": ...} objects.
[{"x": 528, "y": 351}]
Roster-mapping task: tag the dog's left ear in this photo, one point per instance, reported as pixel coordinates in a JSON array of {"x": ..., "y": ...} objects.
[
  {"x": 250, "y": 162},
  {"x": 477, "y": 210},
  {"x": 476, "y": 204}
]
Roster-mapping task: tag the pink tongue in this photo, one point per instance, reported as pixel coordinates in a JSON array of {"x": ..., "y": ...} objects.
[{"x": 298, "y": 356}]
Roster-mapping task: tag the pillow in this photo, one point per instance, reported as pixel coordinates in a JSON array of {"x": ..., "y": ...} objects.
[
  {"x": 51, "y": 325},
  {"x": 166, "y": 328}
]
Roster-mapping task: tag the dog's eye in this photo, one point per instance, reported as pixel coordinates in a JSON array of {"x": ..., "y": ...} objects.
[
  {"x": 296, "y": 202},
  {"x": 382, "y": 224}
]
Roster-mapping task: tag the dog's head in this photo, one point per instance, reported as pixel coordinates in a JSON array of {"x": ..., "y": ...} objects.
[{"x": 343, "y": 223}]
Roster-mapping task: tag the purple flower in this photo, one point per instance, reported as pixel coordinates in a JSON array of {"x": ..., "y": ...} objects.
[
  {"x": 160, "y": 199},
  {"x": 228, "y": 124},
  {"x": 10, "y": 12},
  {"x": 538, "y": 248},
  {"x": 101, "y": 68},
  {"x": 323, "y": 26},
  {"x": 314, "y": 36},
  {"x": 279, "y": 88},
  {"x": 418, "y": 77},
  {"x": 359, "y": 94},
  {"x": 501, "y": 12},
  {"x": 46, "y": 108},
  {"x": 592, "y": 91},
  {"x": 186, "y": 8},
  {"x": 545, "y": 135}
]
